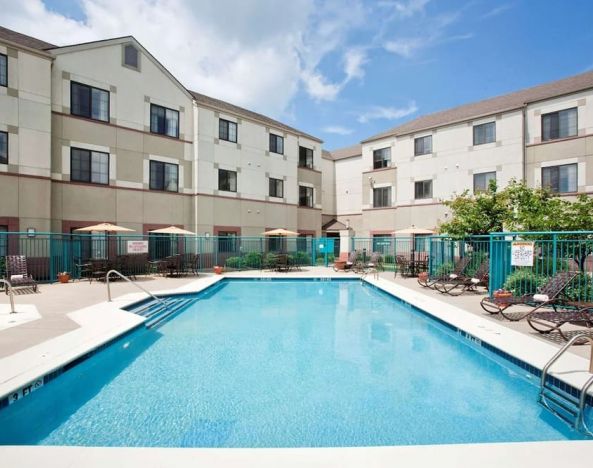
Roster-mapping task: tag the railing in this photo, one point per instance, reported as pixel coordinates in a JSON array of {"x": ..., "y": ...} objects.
[
  {"x": 580, "y": 417},
  {"x": 10, "y": 294},
  {"x": 108, "y": 275}
]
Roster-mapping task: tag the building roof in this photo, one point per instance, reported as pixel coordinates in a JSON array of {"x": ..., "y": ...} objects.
[
  {"x": 240, "y": 111},
  {"x": 491, "y": 106},
  {"x": 24, "y": 40},
  {"x": 344, "y": 153},
  {"x": 333, "y": 226}
]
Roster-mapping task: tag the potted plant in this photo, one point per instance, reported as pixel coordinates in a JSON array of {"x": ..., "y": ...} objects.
[
  {"x": 64, "y": 277},
  {"x": 218, "y": 269},
  {"x": 423, "y": 276},
  {"x": 501, "y": 295}
]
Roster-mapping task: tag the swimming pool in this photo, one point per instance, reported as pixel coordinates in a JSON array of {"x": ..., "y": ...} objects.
[{"x": 287, "y": 364}]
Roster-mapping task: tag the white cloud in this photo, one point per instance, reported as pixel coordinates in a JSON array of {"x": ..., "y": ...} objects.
[
  {"x": 410, "y": 8},
  {"x": 406, "y": 47},
  {"x": 237, "y": 51},
  {"x": 354, "y": 61},
  {"x": 337, "y": 130},
  {"x": 497, "y": 11},
  {"x": 387, "y": 113}
]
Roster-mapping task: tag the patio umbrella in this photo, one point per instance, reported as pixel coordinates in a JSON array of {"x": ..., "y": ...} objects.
[
  {"x": 104, "y": 227},
  {"x": 173, "y": 230},
  {"x": 413, "y": 231},
  {"x": 280, "y": 232}
]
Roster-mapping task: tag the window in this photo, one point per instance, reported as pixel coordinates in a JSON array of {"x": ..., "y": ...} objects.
[
  {"x": 382, "y": 243},
  {"x": 423, "y": 189},
  {"x": 276, "y": 188},
  {"x": 3, "y": 243},
  {"x": 164, "y": 176},
  {"x": 131, "y": 56},
  {"x": 484, "y": 133},
  {"x": 227, "y": 241},
  {"x": 3, "y": 70},
  {"x": 3, "y": 148},
  {"x": 305, "y": 157},
  {"x": 164, "y": 121},
  {"x": 305, "y": 196},
  {"x": 560, "y": 179},
  {"x": 227, "y": 180},
  {"x": 89, "y": 102},
  {"x": 89, "y": 166},
  {"x": 227, "y": 130},
  {"x": 381, "y": 197},
  {"x": 423, "y": 145},
  {"x": 562, "y": 124},
  {"x": 304, "y": 243},
  {"x": 276, "y": 144},
  {"x": 381, "y": 158},
  {"x": 482, "y": 181}
]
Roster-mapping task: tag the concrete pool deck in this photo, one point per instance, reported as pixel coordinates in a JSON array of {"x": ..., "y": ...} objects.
[{"x": 76, "y": 317}]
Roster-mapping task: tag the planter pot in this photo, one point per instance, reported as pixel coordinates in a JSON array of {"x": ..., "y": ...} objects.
[
  {"x": 501, "y": 296},
  {"x": 65, "y": 278},
  {"x": 218, "y": 270},
  {"x": 423, "y": 277}
]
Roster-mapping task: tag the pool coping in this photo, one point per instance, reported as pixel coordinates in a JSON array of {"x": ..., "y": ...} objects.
[{"x": 511, "y": 342}]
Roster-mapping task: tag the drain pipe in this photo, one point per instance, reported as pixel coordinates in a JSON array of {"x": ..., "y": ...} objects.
[
  {"x": 10, "y": 294},
  {"x": 523, "y": 143}
]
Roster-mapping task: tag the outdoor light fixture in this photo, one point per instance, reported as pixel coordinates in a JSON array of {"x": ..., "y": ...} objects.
[{"x": 31, "y": 232}]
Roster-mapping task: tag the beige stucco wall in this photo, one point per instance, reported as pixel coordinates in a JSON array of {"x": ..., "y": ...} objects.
[
  {"x": 25, "y": 116},
  {"x": 328, "y": 188}
]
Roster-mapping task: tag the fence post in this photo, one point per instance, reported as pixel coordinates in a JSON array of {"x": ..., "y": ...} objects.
[
  {"x": 491, "y": 265},
  {"x": 554, "y": 252}
]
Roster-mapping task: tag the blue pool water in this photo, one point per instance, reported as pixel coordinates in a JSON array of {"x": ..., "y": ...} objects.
[{"x": 287, "y": 364}]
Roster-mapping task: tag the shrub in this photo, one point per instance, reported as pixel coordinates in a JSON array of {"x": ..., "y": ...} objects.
[
  {"x": 301, "y": 258},
  {"x": 252, "y": 260},
  {"x": 476, "y": 259},
  {"x": 444, "y": 269},
  {"x": 580, "y": 288},
  {"x": 524, "y": 281},
  {"x": 389, "y": 259},
  {"x": 234, "y": 262},
  {"x": 2, "y": 267}
]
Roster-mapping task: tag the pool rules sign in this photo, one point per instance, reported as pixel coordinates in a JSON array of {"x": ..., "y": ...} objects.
[{"x": 522, "y": 253}]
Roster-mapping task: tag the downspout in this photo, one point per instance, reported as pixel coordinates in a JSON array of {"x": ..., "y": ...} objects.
[
  {"x": 524, "y": 143},
  {"x": 195, "y": 166}
]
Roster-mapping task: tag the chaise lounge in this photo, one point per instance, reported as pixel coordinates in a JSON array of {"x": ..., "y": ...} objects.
[
  {"x": 17, "y": 273},
  {"x": 457, "y": 286}
]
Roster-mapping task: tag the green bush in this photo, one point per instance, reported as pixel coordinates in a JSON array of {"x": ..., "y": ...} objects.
[
  {"x": 234, "y": 262},
  {"x": 269, "y": 259},
  {"x": 444, "y": 269},
  {"x": 2, "y": 267},
  {"x": 252, "y": 260},
  {"x": 580, "y": 288},
  {"x": 389, "y": 259},
  {"x": 476, "y": 259},
  {"x": 524, "y": 281},
  {"x": 300, "y": 258}
]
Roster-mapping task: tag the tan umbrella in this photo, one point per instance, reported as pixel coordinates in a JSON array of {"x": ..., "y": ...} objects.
[
  {"x": 173, "y": 230},
  {"x": 413, "y": 230},
  {"x": 104, "y": 227},
  {"x": 280, "y": 232}
]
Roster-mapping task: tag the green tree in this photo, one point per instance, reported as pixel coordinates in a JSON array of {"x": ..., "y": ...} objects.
[{"x": 482, "y": 213}]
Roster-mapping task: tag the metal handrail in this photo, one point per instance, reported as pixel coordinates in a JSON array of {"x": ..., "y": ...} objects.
[
  {"x": 129, "y": 281},
  {"x": 10, "y": 294},
  {"x": 580, "y": 420}
]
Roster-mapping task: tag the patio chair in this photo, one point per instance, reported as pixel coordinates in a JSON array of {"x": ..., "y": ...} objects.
[
  {"x": 99, "y": 269},
  {"x": 402, "y": 265},
  {"x": 548, "y": 321},
  {"x": 345, "y": 261},
  {"x": 550, "y": 294},
  {"x": 460, "y": 285},
  {"x": 18, "y": 274},
  {"x": 282, "y": 263},
  {"x": 190, "y": 264},
  {"x": 457, "y": 272},
  {"x": 375, "y": 262}
]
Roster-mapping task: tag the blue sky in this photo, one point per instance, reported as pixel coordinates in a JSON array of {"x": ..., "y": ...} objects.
[{"x": 339, "y": 69}]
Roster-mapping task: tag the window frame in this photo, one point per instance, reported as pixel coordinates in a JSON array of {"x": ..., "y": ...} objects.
[
  {"x": 384, "y": 163},
  {"x": 274, "y": 182},
  {"x": 7, "y": 158},
  {"x": 90, "y": 88},
  {"x": 558, "y": 166},
  {"x": 90, "y": 162},
  {"x": 487, "y": 185},
  {"x": 164, "y": 164},
  {"x": 274, "y": 148},
  {"x": 228, "y": 123},
  {"x": 227, "y": 241},
  {"x": 5, "y": 85},
  {"x": 482, "y": 125},
  {"x": 307, "y": 151},
  {"x": 387, "y": 203},
  {"x": 423, "y": 138},
  {"x": 3, "y": 240},
  {"x": 312, "y": 197},
  {"x": 164, "y": 133},
  {"x": 557, "y": 113},
  {"x": 424, "y": 197},
  {"x": 219, "y": 182}
]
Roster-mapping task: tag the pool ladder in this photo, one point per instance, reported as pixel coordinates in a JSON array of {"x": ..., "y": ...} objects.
[{"x": 560, "y": 402}]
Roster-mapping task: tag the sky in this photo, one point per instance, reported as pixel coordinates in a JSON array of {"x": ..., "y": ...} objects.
[{"x": 341, "y": 70}]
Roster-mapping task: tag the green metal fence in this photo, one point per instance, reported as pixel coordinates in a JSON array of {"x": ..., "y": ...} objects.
[
  {"x": 543, "y": 254},
  {"x": 51, "y": 253}
]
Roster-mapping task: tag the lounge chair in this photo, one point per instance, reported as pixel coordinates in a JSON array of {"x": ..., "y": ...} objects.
[
  {"x": 402, "y": 265},
  {"x": 549, "y": 321},
  {"x": 375, "y": 262},
  {"x": 282, "y": 263},
  {"x": 18, "y": 273},
  {"x": 457, "y": 286},
  {"x": 457, "y": 272},
  {"x": 345, "y": 261},
  {"x": 550, "y": 294}
]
